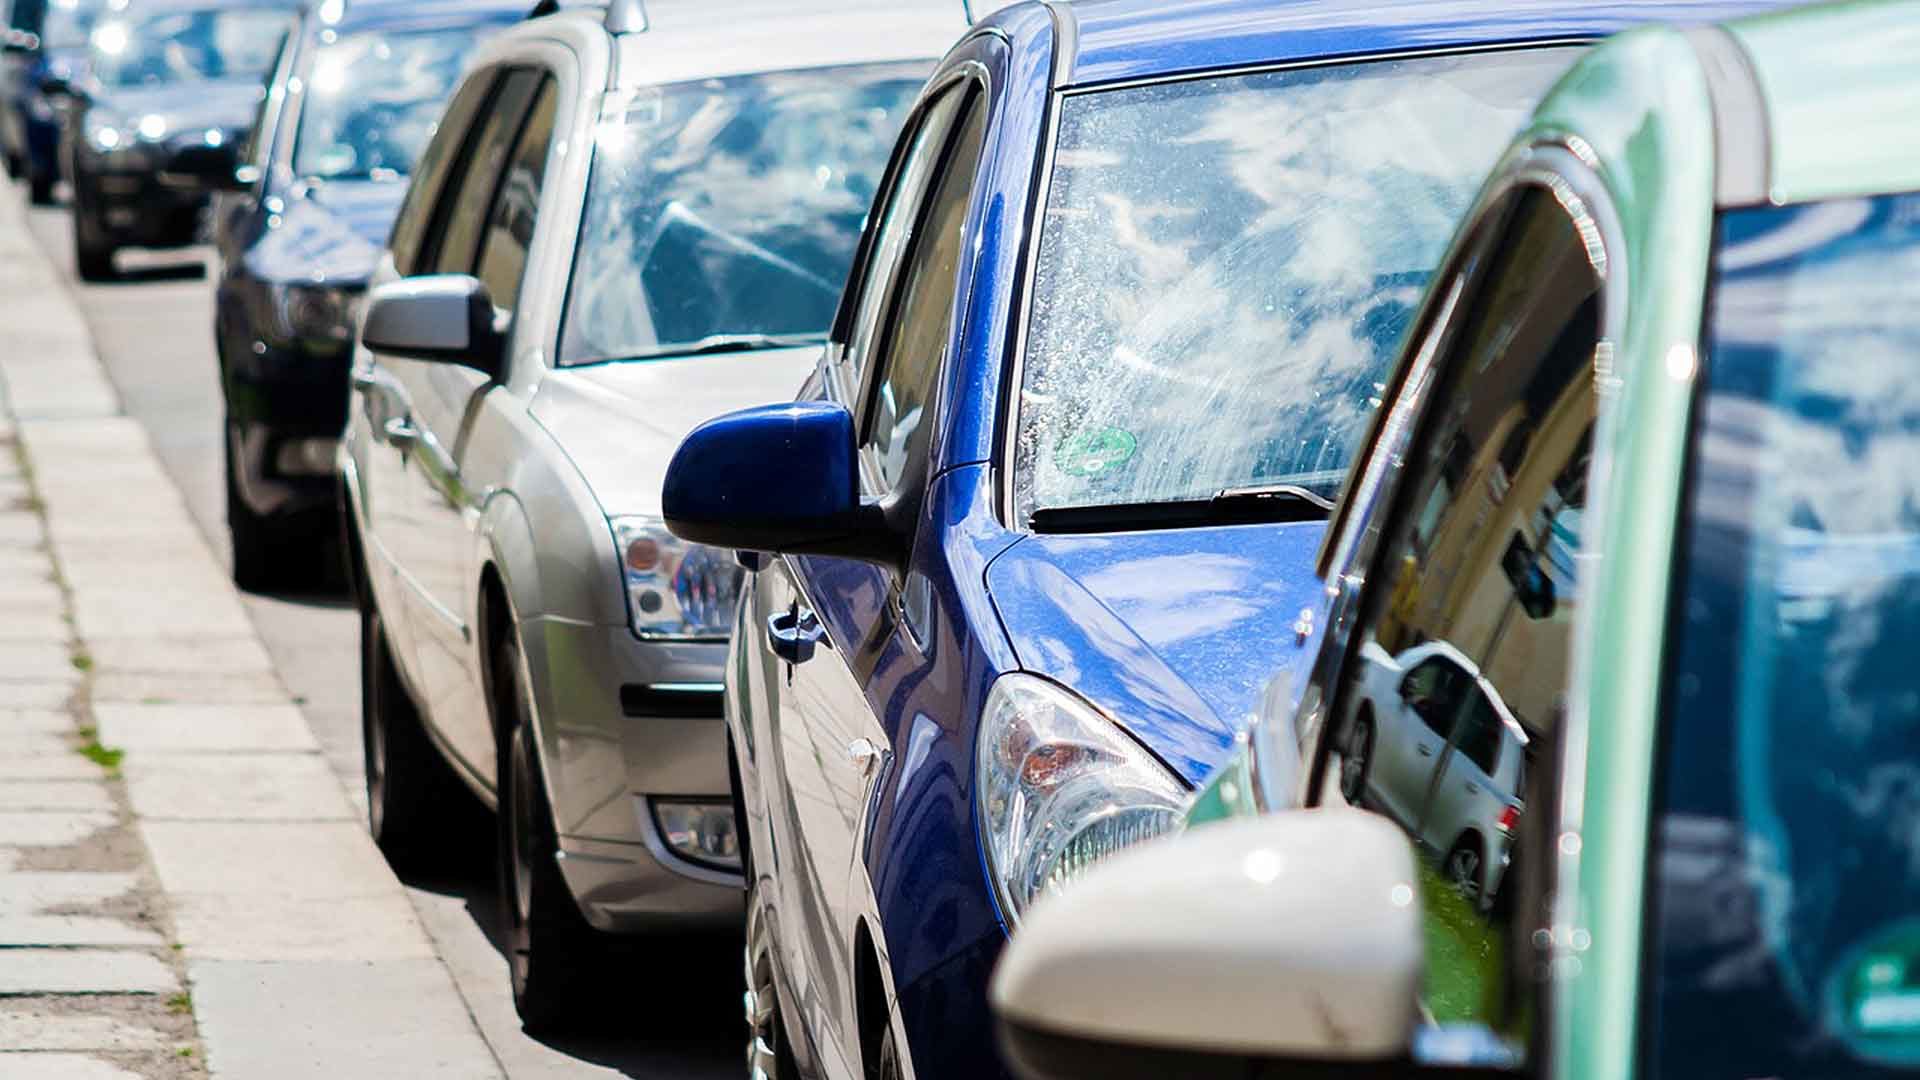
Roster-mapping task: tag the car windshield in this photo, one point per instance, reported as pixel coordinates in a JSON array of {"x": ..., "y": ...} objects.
[
  {"x": 1787, "y": 826},
  {"x": 188, "y": 46},
  {"x": 373, "y": 100},
  {"x": 1226, "y": 266},
  {"x": 68, "y": 23},
  {"x": 727, "y": 210}
]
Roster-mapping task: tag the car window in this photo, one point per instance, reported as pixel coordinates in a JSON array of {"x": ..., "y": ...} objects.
[
  {"x": 908, "y": 355},
  {"x": 373, "y": 99},
  {"x": 503, "y": 258},
  {"x": 258, "y": 151},
  {"x": 1786, "y": 862},
  {"x": 169, "y": 47},
  {"x": 1432, "y": 691},
  {"x": 1227, "y": 264},
  {"x": 1506, "y": 421},
  {"x": 68, "y": 24},
  {"x": 436, "y": 163},
  {"x": 725, "y": 210},
  {"x": 464, "y": 209}
]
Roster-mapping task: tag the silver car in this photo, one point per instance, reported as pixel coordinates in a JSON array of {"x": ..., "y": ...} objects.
[{"x": 628, "y": 221}]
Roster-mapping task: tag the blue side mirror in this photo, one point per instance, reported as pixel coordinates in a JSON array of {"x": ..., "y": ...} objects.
[{"x": 781, "y": 478}]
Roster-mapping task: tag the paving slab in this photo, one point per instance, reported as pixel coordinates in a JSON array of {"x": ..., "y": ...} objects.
[
  {"x": 36, "y": 722},
  {"x": 20, "y": 1030},
  {"x": 235, "y": 787},
  {"x": 289, "y": 891},
  {"x": 83, "y": 971},
  {"x": 139, "y": 728},
  {"x": 61, "y": 763},
  {"x": 57, "y": 1066},
  {"x": 324, "y": 1020},
  {"x": 34, "y": 695},
  {"x": 227, "y": 655},
  {"x": 199, "y": 687},
  {"x": 30, "y": 829},
  {"x": 26, "y": 661},
  {"x": 72, "y": 931},
  {"x": 153, "y": 613},
  {"x": 90, "y": 795},
  {"x": 44, "y": 625}
]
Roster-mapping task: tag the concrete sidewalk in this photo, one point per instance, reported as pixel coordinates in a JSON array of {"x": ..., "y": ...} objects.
[{"x": 185, "y": 889}]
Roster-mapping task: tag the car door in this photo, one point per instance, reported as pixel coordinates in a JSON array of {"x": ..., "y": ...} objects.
[
  {"x": 1517, "y": 363},
  {"x": 447, "y": 399},
  {"x": 1413, "y": 738},
  {"x": 831, "y": 743},
  {"x": 393, "y": 530}
]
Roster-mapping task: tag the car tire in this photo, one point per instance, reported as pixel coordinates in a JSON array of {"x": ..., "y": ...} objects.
[
  {"x": 886, "y": 1063},
  {"x": 40, "y": 185},
  {"x": 1465, "y": 866},
  {"x": 260, "y": 562},
  {"x": 92, "y": 254},
  {"x": 769, "y": 1050},
  {"x": 16, "y": 165},
  {"x": 1357, "y": 763},
  {"x": 416, "y": 808},
  {"x": 551, "y": 950}
]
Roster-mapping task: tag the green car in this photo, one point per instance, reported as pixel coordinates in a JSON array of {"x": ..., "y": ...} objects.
[{"x": 1622, "y": 630}]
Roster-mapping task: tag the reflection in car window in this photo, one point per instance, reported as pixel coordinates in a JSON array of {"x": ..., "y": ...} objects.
[
  {"x": 1227, "y": 265},
  {"x": 69, "y": 22},
  {"x": 188, "y": 46},
  {"x": 509, "y": 236},
  {"x": 728, "y": 207},
  {"x": 373, "y": 101},
  {"x": 1459, "y": 576},
  {"x": 1787, "y": 915}
]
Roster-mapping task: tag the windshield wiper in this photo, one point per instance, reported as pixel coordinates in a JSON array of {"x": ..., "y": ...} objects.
[
  {"x": 726, "y": 343},
  {"x": 1230, "y": 506}
]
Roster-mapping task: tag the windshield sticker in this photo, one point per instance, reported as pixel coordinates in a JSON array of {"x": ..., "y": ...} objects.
[{"x": 1091, "y": 453}]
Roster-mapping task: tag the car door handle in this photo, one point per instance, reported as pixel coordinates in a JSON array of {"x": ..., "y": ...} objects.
[
  {"x": 401, "y": 433},
  {"x": 1473, "y": 788},
  {"x": 793, "y": 635},
  {"x": 864, "y": 755},
  {"x": 1425, "y": 750}
]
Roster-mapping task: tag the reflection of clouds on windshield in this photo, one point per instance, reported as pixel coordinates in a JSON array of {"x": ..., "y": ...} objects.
[
  {"x": 375, "y": 99},
  {"x": 1227, "y": 265}
]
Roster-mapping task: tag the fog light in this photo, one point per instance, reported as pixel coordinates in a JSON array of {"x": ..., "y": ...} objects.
[
  {"x": 305, "y": 457},
  {"x": 700, "y": 832}
]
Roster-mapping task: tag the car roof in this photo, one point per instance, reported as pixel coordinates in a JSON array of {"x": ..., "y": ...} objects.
[
  {"x": 367, "y": 14},
  {"x": 1121, "y": 40},
  {"x": 140, "y": 10},
  {"x": 1840, "y": 114},
  {"x": 693, "y": 39}
]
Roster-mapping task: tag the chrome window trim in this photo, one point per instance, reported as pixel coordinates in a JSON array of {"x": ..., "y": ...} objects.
[{"x": 1009, "y": 420}]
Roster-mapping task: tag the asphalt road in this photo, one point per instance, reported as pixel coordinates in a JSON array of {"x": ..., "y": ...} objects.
[{"x": 153, "y": 329}]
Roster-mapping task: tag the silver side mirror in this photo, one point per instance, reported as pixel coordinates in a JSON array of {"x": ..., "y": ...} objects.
[
  {"x": 1294, "y": 937},
  {"x": 442, "y": 318}
]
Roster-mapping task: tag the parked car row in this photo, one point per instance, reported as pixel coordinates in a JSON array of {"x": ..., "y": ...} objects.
[{"x": 1101, "y": 525}]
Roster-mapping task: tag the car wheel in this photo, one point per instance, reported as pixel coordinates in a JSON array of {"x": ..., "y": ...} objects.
[
  {"x": 550, "y": 947},
  {"x": 886, "y": 1063},
  {"x": 415, "y": 807},
  {"x": 92, "y": 253},
  {"x": 15, "y": 166},
  {"x": 40, "y": 186},
  {"x": 1357, "y": 760},
  {"x": 769, "y": 1053},
  {"x": 1462, "y": 867}
]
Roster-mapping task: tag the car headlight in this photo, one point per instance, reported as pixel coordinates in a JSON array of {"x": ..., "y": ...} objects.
[
  {"x": 1061, "y": 787},
  {"x": 108, "y": 138},
  {"x": 317, "y": 314},
  {"x": 675, "y": 589}
]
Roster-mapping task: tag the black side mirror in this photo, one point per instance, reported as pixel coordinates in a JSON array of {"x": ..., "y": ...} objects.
[{"x": 440, "y": 318}]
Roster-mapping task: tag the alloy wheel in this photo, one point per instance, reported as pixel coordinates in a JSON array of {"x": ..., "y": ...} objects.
[
  {"x": 1463, "y": 869},
  {"x": 764, "y": 1034},
  {"x": 523, "y": 829},
  {"x": 1353, "y": 766}
]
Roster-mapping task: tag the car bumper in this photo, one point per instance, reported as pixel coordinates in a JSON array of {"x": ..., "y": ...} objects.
[
  {"x": 287, "y": 407},
  {"x": 133, "y": 203},
  {"x": 630, "y": 724}
]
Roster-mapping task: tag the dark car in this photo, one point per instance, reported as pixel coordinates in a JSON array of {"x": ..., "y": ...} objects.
[
  {"x": 305, "y": 210},
  {"x": 46, "y": 56},
  {"x": 171, "y": 81}
]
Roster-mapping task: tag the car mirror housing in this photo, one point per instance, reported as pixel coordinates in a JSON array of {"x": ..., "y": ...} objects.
[
  {"x": 440, "y": 318},
  {"x": 1292, "y": 939},
  {"x": 781, "y": 478}
]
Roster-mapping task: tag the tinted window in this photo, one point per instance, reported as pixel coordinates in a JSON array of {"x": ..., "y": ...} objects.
[
  {"x": 1788, "y": 813},
  {"x": 187, "y": 46},
  {"x": 503, "y": 260},
  {"x": 1507, "y": 418},
  {"x": 441, "y": 155},
  {"x": 729, "y": 208},
  {"x": 465, "y": 217},
  {"x": 1432, "y": 691},
  {"x": 909, "y": 353},
  {"x": 373, "y": 100},
  {"x": 1227, "y": 264}
]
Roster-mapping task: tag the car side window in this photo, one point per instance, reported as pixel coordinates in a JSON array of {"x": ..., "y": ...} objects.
[
  {"x": 907, "y": 355},
  {"x": 440, "y": 159},
  {"x": 1470, "y": 556},
  {"x": 258, "y": 151},
  {"x": 1432, "y": 692},
  {"x": 509, "y": 233},
  {"x": 465, "y": 207}
]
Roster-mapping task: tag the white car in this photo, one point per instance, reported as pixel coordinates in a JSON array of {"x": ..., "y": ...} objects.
[
  {"x": 1433, "y": 747},
  {"x": 629, "y": 220}
]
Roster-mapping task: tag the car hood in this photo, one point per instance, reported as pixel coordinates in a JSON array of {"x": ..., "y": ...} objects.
[
  {"x": 620, "y": 422},
  {"x": 226, "y": 104},
  {"x": 1175, "y": 633},
  {"x": 327, "y": 232}
]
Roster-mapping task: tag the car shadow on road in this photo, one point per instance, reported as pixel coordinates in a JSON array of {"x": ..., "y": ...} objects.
[
  {"x": 147, "y": 275},
  {"x": 663, "y": 1001}
]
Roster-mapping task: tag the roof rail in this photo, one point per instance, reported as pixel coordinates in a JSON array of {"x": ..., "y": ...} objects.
[{"x": 626, "y": 16}]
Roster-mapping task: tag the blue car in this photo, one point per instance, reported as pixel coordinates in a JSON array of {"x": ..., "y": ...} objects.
[
  {"x": 45, "y": 58},
  {"x": 1029, "y": 546}
]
